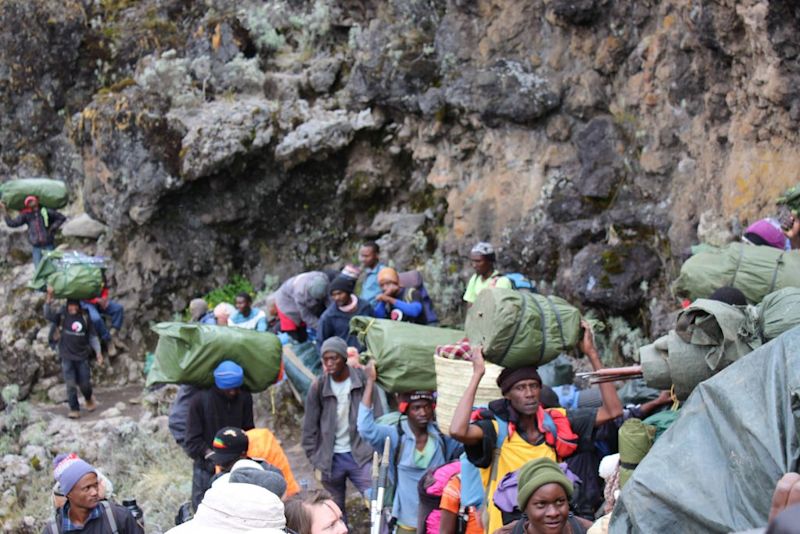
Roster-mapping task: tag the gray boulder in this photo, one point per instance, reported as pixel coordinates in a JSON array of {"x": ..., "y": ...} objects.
[{"x": 83, "y": 226}]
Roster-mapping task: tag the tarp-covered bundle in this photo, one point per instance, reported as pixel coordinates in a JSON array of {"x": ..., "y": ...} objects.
[
  {"x": 709, "y": 336},
  {"x": 72, "y": 275},
  {"x": 715, "y": 470},
  {"x": 403, "y": 352},
  {"x": 755, "y": 270},
  {"x": 779, "y": 312},
  {"x": 188, "y": 354},
  {"x": 519, "y": 328},
  {"x": 302, "y": 365},
  {"x": 51, "y": 193}
]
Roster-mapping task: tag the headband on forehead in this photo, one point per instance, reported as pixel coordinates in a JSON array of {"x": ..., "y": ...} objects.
[{"x": 405, "y": 399}]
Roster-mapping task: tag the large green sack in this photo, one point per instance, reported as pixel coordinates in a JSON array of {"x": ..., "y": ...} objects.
[
  {"x": 51, "y": 193},
  {"x": 755, "y": 270},
  {"x": 189, "y": 353},
  {"x": 715, "y": 470},
  {"x": 519, "y": 328},
  {"x": 72, "y": 275},
  {"x": 403, "y": 352},
  {"x": 779, "y": 312}
]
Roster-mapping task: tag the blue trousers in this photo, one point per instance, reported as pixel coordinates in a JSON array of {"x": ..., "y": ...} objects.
[
  {"x": 96, "y": 314},
  {"x": 37, "y": 253},
  {"x": 342, "y": 468},
  {"x": 77, "y": 375}
]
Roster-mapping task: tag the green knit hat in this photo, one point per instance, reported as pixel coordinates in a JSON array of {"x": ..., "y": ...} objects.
[{"x": 536, "y": 474}]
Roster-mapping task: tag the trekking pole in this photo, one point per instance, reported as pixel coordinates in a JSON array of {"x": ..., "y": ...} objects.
[
  {"x": 383, "y": 471},
  {"x": 375, "y": 508}
]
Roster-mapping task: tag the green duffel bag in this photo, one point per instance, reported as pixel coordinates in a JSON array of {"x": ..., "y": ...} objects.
[
  {"x": 189, "y": 353},
  {"x": 72, "y": 275},
  {"x": 403, "y": 352},
  {"x": 519, "y": 328},
  {"x": 779, "y": 312},
  {"x": 51, "y": 193},
  {"x": 755, "y": 270}
]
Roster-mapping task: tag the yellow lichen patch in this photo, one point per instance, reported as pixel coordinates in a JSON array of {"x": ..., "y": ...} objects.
[
  {"x": 755, "y": 177},
  {"x": 216, "y": 40}
]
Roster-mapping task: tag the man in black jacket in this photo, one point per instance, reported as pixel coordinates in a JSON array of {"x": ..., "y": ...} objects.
[
  {"x": 84, "y": 510},
  {"x": 225, "y": 404},
  {"x": 76, "y": 341},
  {"x": 42, "y": 225}
]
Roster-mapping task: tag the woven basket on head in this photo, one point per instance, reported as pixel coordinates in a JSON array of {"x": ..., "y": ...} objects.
[{"x": 452, "y": 377}]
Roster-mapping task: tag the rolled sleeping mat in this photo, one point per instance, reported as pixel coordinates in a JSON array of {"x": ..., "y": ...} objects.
[{"x": 635, "y": 440}]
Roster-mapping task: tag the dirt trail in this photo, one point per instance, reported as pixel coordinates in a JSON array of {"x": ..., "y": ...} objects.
[{"x": 106, "y": 398}]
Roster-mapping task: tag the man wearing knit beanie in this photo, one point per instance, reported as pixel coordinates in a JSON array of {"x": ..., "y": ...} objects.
[
  {"x": 345, "y": 305},
  {"x": 330, "y": 439},
  {"x": 84, "y": 510},
  {"x": 396, "y": 302},
  {"x": 543, "y": 495},
  {"x": 226, "y": 404},
  {"x": 518, "y": 428}
]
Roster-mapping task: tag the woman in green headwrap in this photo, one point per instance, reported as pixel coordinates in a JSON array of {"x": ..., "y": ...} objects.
[{"x": 544, "y": 494}]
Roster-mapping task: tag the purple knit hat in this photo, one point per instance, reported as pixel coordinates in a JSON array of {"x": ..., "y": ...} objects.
[
  {"x": 70, "y": 470},
  {"x": 769, "y": 231}
]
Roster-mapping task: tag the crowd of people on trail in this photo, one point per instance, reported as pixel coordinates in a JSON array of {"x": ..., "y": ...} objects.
[{"x": 524, "y": 463}]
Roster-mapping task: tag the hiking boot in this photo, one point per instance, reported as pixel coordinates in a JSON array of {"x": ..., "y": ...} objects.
[
  {"x": 111, "y": 350},
  {"x": 73, "y": 414},
  {"x": 91, "y": 405}
]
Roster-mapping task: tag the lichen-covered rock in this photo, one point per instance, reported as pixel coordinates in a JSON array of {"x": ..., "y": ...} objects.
[
  {"x": 613, "y": 277},
  {"x": 507, "y": 90},
  {"x": 218, "y": 132},
  {"x": 318, "y": 137}
]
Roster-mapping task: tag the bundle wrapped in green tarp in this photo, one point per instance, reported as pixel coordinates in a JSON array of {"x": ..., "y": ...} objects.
[
  {"x": 302, "y": 364},
  {"x": 755, "y": 270},
  {"x": 403, "y": 352},
  {"x": 189, "y": 353},
  {"x": 72, "y": 275},
  {"x": 635, "y": 440},
  {"x": 779, "y": 312},
  {"x": 709, "y": 335},
  {"x": 51, "y": 193},
  {"x": 519, "y": 328},
  {"x": 715, "y": 470}
]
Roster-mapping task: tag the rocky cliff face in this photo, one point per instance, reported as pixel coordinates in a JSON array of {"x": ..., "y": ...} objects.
[{"x": 593, "y": 140}]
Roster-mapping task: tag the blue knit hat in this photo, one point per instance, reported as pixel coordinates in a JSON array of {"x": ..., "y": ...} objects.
[
  {"x": 70, "y": 470},
  {"x": 228, "y": 375}
]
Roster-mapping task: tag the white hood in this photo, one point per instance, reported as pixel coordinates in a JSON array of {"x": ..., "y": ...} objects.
[{"x": 236, "y": 508}]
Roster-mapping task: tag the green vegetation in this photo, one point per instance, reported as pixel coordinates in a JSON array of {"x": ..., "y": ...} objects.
[{"x": 228, "y": 292}]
